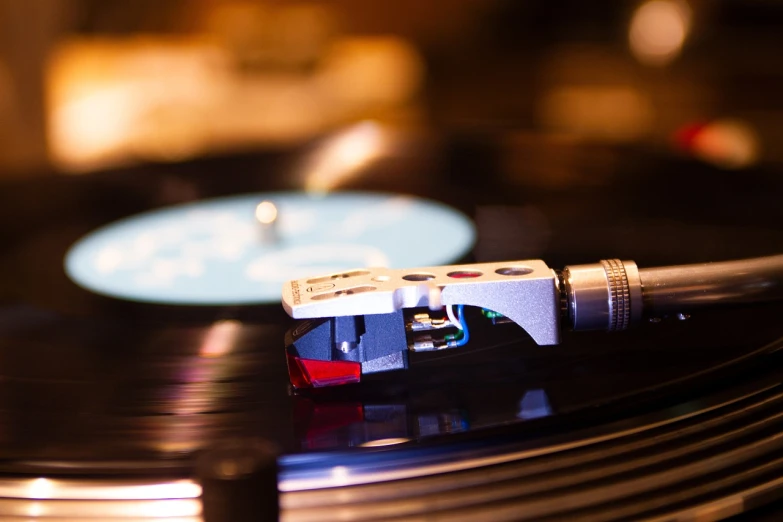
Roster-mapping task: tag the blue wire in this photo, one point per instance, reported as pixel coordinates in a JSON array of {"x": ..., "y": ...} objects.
[{"x": 461, "y": 319}]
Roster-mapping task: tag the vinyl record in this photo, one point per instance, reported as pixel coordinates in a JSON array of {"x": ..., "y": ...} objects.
[{"x": 107, "y": 404}]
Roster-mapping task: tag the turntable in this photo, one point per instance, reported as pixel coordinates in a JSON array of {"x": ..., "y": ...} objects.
[
  {"x": 177, "y": 403},
  {"x": 428, "y": 188}
]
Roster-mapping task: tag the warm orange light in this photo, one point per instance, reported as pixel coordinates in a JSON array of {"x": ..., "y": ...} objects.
[
  {"x": 658, "y": 30},
  {"x": 343, "y": 155},
  {"x": 377, "y": 443},
  {"x": 371, "y": 71},
  {"x": 220, "y": 338},
  {"x": 729, "y": 144},
  {"x": 117, "y": 100},
  {"x": 143, "y": 97},
  {"x": 614, "y": 113}
]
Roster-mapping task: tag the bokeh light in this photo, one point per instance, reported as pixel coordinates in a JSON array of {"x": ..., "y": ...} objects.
[{"x": 658, "y": 31}]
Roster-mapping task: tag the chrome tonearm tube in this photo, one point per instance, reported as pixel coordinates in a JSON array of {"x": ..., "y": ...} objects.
[{"x": 356, "y": 321}]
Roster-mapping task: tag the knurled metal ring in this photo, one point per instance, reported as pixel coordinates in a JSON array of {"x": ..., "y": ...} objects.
[{"x": 619, "y": 294}]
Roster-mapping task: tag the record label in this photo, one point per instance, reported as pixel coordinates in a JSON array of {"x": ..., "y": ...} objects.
[{"x": 219, "y": 252}]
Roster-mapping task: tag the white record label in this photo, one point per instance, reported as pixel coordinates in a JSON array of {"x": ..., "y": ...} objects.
[{"x": 213, "y": 252}]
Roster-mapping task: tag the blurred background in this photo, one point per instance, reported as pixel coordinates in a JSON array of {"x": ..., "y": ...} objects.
[{"x": 87, "y": 85}]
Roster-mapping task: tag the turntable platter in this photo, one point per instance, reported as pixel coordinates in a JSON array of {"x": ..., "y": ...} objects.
[{"x": 98, "y": 392}]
